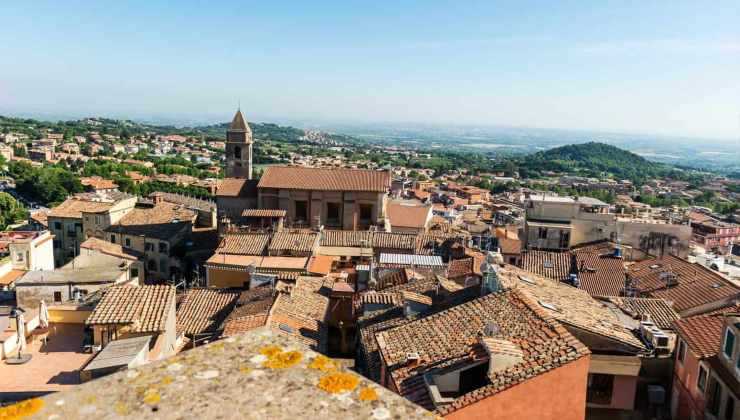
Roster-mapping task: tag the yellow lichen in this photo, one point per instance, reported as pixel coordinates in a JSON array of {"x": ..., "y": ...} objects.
[
  {"x": 338, "y": 382},
  {"x": 152, "y": 397},
  {"x": 368, "y": 394},
  {"x": 323, "y": 364},
  {"x": 271, "y": 350},
  {"x": 22, "y": 409},
  {"x": 167, "y": 380},
  {"x": 121, "y": 408},
  {"x": 282, "y": 360},
  {"x": 245, "y": 369}
]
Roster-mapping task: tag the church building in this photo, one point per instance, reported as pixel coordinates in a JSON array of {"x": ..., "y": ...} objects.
[{"x": 348, "y": 199}]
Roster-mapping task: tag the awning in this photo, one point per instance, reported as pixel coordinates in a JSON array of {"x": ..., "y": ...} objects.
[{"x": 615, "y": 365}]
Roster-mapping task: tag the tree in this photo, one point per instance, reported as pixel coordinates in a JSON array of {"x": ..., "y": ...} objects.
[{"x": 11, "y": 210}]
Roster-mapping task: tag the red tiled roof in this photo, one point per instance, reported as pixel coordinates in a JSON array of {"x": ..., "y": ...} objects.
[
  {"x": 697, "y": 285},
  {"x": 144, "y": 307},
  {"x": 243, "y": 243},
  {"x": 448, "y": 339},
  {"x": 302, "y": 178},
  {"x": 403, "y": 215},
  {"x": 237, "y": 187},
  {"x": 203, "y": 310},
  {"x": 703, "y": 334}
]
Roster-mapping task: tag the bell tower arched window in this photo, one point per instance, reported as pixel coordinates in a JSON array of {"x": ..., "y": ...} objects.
[{"x": 237, "y": 152}]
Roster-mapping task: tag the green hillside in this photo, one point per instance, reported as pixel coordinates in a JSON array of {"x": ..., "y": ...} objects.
[{"x": 591, "y": 159}]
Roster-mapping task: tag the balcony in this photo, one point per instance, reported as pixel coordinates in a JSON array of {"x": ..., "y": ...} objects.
[{"x": 262, "y": 374}]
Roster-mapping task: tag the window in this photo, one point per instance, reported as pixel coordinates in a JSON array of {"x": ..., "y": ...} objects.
[
  {"x": 701, "y": 380},
  {"x": 151, "y": 265},
  {"x": 564, "y": 239},
  {"x": 681, "y": 354},
  {"x": 163, "y": 247},
  {"x": 134, "y": 272},
  {"x": 366, "y": 212},
  {"x": 600, "y": 387},
  {"x": 729, "y": 408},
  {"x": 163, "y": 266},
  {"x": 542, "y": 233},
  {"x": 58, "y": 225},
  {"x": 301, "y": 210},
  {"x": 128, "y": 242},
  {"x": 715, "y": 397},
  {"x": 332, "y": 213},
  {"x": 98, "y": 219},
  {"x": 57, "y": 243},
  {"x": 57, "y": 296},
  {"x": 113, "y": 239},
  {"x": 237, "y": 152},
  {"x": 19, "y": 256},
  {"x": 148, "y": 246},
  {"x": 729, "y": 343}
]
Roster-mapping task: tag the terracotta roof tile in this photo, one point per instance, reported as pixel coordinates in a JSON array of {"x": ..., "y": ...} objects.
[
  {"x": 697, "y": 285},
  {"x": 321, "y": 179},
  {"x": 263, "y": 213},
  {"x": 145, "y": 308},
  {"x": 243, "y": 243},
  {"x": 571, "y": 306},
  {"x": 660, "y": 311},
  {"x": 163, "y": 221},
  {"x": 203, "y": 310},
  {"x": 448, "y": 339},
  {"x": 292, "y": 243},
  {"x": 703, "y": 334},
  {"x": 237, "y": 187},
  {"x": 301, "y": 312},
  {"x": 403, "y": 215}
]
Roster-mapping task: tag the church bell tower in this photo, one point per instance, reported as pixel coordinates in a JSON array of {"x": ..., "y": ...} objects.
[{"x": 239, "y": 148}]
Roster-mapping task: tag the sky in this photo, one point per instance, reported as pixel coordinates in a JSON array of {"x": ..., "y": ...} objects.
[{"x": 663, "y": 67}]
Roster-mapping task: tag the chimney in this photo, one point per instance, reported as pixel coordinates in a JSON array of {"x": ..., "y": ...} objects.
[
  {"x": 412, "y": 359},
  {"x": 502, "y": 354}
]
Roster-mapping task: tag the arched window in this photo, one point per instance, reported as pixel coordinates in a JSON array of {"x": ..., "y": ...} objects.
[{"x": 237, "y": 152}]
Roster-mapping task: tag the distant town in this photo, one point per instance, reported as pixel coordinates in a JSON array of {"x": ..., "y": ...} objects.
[{"x": 465, "y": 282}]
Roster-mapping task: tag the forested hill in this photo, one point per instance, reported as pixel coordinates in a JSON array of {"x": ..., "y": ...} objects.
[{"x": 592, "y": 159}]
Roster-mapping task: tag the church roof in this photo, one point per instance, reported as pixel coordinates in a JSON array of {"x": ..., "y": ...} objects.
[
  {"x": 323, "y": 179},
  {"x": 239, "y": 123}
]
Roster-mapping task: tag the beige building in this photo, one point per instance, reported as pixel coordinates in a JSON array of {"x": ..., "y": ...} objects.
[
  {"x": 155, "y": 232},
  {"x": 349, "y": 199},
  {"x": 82, "y": 276},
  {"x": 83, "y": 216},
  {"x": 557, "y": 223}
]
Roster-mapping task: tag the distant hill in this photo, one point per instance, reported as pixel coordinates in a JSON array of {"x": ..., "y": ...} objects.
[{"x": 591, "y": 159}]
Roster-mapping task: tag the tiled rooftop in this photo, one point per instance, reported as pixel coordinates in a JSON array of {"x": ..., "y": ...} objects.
[
  {"x": 145, "y": 307},
  {"x": 703, "y": 333},
  {"x": 290, "y": 242},
  {"x": 237, "y": 187},
  {"x": 302, "y": 310},
  {"x": 661, "y": 312},
  {"x": 448, "y": 340},
  {"x": 303, "y": 178},
  {"x": 697, "y": 285},
  {"x": 572, "y": 306},
  {"x": 203, "y": 310},
  {"x": 243, "y": 243},
  {"x": 163, "y": 221}
]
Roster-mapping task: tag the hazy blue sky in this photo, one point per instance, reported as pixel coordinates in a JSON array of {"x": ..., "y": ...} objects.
[{"x": 647, "y": 66}]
